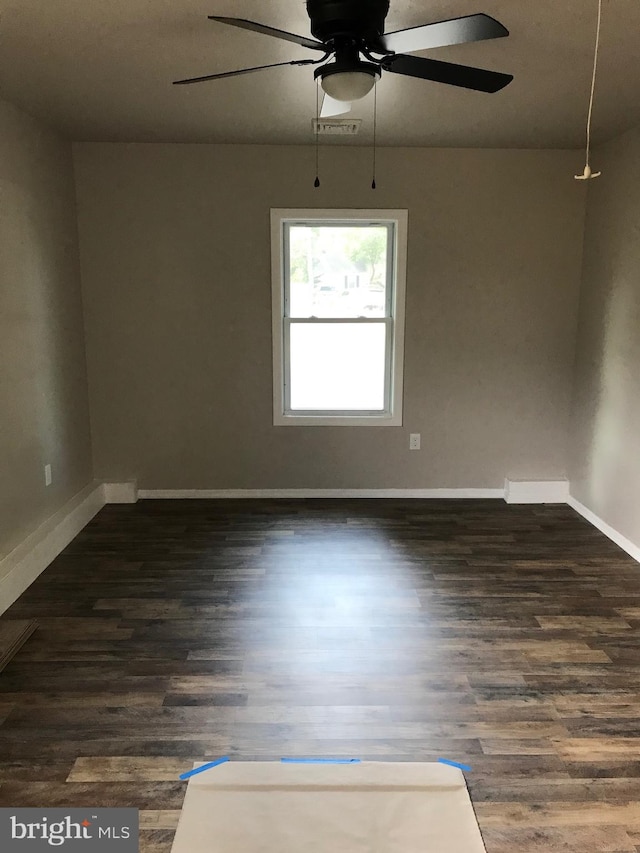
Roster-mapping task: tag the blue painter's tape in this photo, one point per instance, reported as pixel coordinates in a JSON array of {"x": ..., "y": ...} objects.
[
  {"x": 204, "y": 767},
  {"x": 455, "y": 764},
  {"x": 320, "y": 760}
]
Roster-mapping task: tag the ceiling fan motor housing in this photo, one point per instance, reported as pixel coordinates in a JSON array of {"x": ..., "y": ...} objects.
[{"x": 347, "y": 19}]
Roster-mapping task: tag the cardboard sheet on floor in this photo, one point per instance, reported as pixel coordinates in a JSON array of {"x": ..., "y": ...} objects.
[{"x": 269, "y": 807}]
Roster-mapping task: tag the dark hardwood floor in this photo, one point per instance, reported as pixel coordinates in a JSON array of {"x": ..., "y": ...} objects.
[{"x": 504, "y": 637}]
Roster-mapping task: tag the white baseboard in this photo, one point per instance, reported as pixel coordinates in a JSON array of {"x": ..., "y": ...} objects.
[
  {"x": 184, "y": 494},
  {"x": 25, "y": 563},
  {"x": 536, "y": 491},
  {"x": 627, "y": 545},
  {"x": 21, "y": 567},
  {"x": 121, "y": 493}
]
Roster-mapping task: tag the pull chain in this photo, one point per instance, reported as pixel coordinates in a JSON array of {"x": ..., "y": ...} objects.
[
  {"x": 316, "y": 183},
  {"x": 375, "y": 123}
]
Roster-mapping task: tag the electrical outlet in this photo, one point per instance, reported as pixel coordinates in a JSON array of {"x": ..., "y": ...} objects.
[
  {"x": 414, "y": 441},
  {"x": 47, "y": 475}
]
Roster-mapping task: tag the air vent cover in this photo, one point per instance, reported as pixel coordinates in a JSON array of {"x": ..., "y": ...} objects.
[{"x": 336, "y": 126}]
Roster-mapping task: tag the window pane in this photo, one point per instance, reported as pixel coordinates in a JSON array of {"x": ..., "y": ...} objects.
[
  {"x": 337, "y": 366},
  {"x": 337, "y": 271}
]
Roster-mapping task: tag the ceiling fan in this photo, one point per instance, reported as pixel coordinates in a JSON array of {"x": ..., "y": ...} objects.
[{"x": 346, "y": 30}]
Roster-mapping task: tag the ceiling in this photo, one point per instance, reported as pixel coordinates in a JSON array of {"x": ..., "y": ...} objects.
[{"x": 103, "y": 71}]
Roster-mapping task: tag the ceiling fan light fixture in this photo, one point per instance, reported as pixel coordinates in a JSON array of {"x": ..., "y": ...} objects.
[{"x": 349, "y": 84}]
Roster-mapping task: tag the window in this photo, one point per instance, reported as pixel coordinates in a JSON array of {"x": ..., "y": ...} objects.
[{"x": 338, "y": 316}]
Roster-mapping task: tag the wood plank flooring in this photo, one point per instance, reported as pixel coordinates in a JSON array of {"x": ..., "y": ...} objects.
[
  {"x": 14, "y": 633},
  {"x": 505, "y": 637}
]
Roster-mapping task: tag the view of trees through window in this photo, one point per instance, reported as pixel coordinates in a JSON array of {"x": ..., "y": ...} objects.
[{"x": 337, "y": 271}]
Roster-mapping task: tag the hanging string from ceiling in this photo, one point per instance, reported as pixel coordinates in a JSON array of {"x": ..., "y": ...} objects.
[{"x": 588, "y": 174}]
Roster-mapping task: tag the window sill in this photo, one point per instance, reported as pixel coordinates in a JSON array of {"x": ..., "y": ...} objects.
[{"x": 385, "y": 420}]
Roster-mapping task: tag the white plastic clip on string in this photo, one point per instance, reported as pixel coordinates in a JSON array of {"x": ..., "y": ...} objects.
[{"x": 588, "y": 174}]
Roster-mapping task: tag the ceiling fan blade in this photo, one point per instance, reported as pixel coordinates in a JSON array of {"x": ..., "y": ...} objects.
[
  {"x": 331, "y": 107},
  {"x": 303, "y": 41},
  {"x": 445, "y": 72},
  {"x": 443, "y": 33},
  {"x": 240, "y": 71}
]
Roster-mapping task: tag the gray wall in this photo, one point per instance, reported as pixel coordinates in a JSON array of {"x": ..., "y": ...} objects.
[
  {"x": 605, "y": 462},
  {"x": 44, "y": 414},
  {"x": 176, "y": 280}
]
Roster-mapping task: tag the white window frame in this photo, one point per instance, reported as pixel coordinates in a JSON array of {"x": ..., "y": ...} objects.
[{"x": 395, "y": 326}]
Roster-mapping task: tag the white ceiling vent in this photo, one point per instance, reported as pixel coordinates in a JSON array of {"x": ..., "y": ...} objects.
[{"x": 336, "y": 126}]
